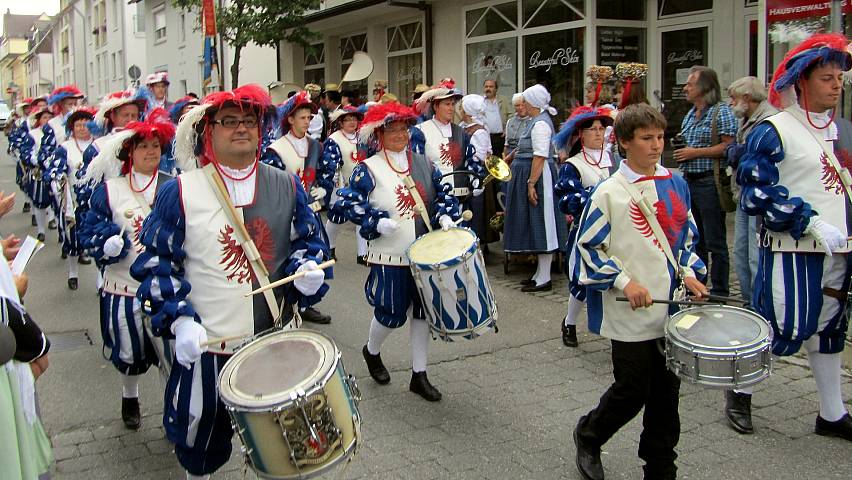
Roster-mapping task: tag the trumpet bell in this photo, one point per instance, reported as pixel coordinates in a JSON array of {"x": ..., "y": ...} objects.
[{"x": 497, "y": 168}]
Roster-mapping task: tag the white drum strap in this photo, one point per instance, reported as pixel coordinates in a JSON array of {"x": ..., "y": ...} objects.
[
  {"x": 247, "y": 244},
  {"x": 645, "y": 206},
  {"x": 842, "y": 172}
]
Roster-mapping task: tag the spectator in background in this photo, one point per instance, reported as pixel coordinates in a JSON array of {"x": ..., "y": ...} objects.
[
  {"x": 515, "y": 126},
  {"x": 707, "y": 130},
  {"x": 497, "y": 111},
  {"x": 748, "y": 102}
]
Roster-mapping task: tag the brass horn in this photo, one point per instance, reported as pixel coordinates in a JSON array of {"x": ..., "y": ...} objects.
[
  {"x": 496, "y": 222},
  {"x": 497, "y": 168}
]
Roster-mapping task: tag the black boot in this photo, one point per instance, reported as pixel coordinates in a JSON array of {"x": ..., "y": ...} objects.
[
  {"x": 841, "y": 428},
  {"x": 421, "y": 386},
  {"x": 376, "y": 367},
  {"x": 361, "y": 260},
  {"x": 51, "y": 225},
  {"x": 313, "y": 315},
  {"x": 72, "y": 283},
  {"x": 332, "y": 254},
  {"x": 738, "y": 411},
  {"x": 84, "y": 260},
  {"x": 64, "y": 254},
  {"x": 26, "y": 207},
  {"x": 40, "y": 237},
  {"x": 130, "y": 413},
  {"x": 569, "y": 335},
  {"x": 33, "y": 221},
  {"x": 588, "y": 460}
]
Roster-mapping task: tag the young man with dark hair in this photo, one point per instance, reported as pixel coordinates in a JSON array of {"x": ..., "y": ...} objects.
[{"x": 619, "y": 256}]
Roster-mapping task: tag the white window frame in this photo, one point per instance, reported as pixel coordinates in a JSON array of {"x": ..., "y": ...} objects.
[
  {"x": 399, "y": 53},
  {"x": 158, "y": 36},
  {"x": 316, "y": 66},
  {"x": 340, "y": 52}
]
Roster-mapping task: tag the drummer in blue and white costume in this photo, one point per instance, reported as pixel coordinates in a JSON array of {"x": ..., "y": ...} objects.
[
  {"x": 340, "y": 155},
  {"x": 533, "y": 223},
  {"x": 62, "y": 171},
  {"x": 790, "y": 176},
  {"x": 583, "y": 133},
  {"x": 620, "y": 255},
  {"x": 125, "y": 172},
  {"x": 195, "y": 275},
  {"x": 390, "y": 220},
  {"x": 30, "y": 147},
  {"x": 299, "y": 153}
]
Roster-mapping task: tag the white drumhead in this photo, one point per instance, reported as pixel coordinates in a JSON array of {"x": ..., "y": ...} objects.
[
  {"x": 440, "y": 247},
  {"x": 262, "y": 374},
  {"x": 721, "y": 327}
]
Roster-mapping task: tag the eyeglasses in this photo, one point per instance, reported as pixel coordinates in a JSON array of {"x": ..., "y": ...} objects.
[
  {"x": 595, "y": 129},
  {"x": 232, "y": 123}
]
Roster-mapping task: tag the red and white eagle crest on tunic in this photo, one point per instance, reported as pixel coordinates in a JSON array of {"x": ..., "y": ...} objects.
[
  {"x": 671, "y": 223},
  {"x": 234, "y": 259},
  {"x": 405, "y": 204},
  {"x": 136, "y": 225},
  {"x": 830, "y": 176},
  {"x": 451, "y": 154},
  {"x": 307, "y": 176}
]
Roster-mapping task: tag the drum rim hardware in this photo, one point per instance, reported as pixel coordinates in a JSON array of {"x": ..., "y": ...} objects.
[{"x": 451, "y": 262}]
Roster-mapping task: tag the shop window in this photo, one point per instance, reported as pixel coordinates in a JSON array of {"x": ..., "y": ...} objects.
[
  {"x": 492, "y": 19},
  {"x": 493, "y": 60},
  {"x": 620, "y": 44},
  {"x": 681, "y": 50},
  {"x": 405, "y": 58},
  {"x": 677, "y": 7},
  {"x": 315, "y": 75},
  {"x": 315, "y": 63},
  {"x": 555, "y": 60},
  {"x": 752, "y": 48},
  {"x": 549, "y": 12},
  {"x": 160, "y": 23},
  {"x": 621, "y": 9},
  {"x": 348, "y": 46}
]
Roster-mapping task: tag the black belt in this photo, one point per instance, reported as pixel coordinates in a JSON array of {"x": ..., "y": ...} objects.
[{"x": 691, "y": 176}]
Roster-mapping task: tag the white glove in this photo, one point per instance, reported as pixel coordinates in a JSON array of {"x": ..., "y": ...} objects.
[
  {"x": 318, "y": 193},
  {"x": 311, "y": 281},
  {"x": 446, "y": 222},
  {"x": 478, "y": 191},
  {"x": 113, "y": 246},
  {"x": 189, "y": 337},
  {"x": 386, "y": 226},
  {"x": 826, "y": 234}
]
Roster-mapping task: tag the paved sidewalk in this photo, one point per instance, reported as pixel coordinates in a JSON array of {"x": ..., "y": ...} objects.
[{"x": 509, "y": 415}]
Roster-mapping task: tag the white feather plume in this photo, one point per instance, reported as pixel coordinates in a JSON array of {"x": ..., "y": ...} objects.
[
  {"x": 106, "y": 164},
  {"x": 186, "y": 138}
]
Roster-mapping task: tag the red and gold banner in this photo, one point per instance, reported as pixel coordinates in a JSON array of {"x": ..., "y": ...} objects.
[{"x": 208, "y": 12}]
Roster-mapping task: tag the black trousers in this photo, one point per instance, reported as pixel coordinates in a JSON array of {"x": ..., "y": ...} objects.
[
  {"x": 497, "y": 140},
  {"x": 641, "y": 379}
]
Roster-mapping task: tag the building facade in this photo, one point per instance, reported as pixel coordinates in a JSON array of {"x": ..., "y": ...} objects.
[
  {"x": 14, "y": 45},
  {"x": 38, "y": 60},
  {"x": 69, "y": 44},
  {"x": 114, "y": 41},
  {"x": 174, "y": 43}
]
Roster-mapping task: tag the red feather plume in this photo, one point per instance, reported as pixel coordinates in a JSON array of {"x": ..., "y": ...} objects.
[
  {"x": 250, "y": 94},
  {"x": 835, "y": 41}
]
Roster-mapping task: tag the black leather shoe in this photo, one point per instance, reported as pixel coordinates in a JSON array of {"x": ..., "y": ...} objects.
[
  {"x": 64, "y": 254},
  {"x": 361, "y": 260},
  {"x": 588, "y": 460},
  {"x": 313, "y": 315},
  {"x": 331, "y": 254},
  {"x": 33, "y": 221},
  {"x": 40, "y": 237},
  {"x": 72, "y": 283},
  {"x": 130, "y": 413},
  {"x": 569, "y": 335},
  {"x": 544, "y": 287},
  {"x": 421, "y": 386},
  {"x": 51, "y": 225},
  {"x": 738, "y": 411},
  {"x": 26, "y": 207},
  {"x": 84, "y": 260},
  {"x": 841, "y": 428},
  {"x": 376, "y": 367},
  {"x": 526, "y": 282}
]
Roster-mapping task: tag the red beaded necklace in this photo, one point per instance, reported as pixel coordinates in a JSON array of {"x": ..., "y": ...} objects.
[
  {"x": 150, "y": 182},
  {"x": 590, "y": 160},
  {"x": 391, "y": 165},
  {"x": 236, "y": 179},
  {"x": 808, "y": 113}
]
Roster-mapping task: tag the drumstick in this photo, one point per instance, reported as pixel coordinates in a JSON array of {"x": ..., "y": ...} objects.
[
  {"x": 722, "y": 298},
  {"x": 215, "y": 341},
  {"x": 465, "y": 217},
  {"x": 128, "y": 214},
  {"x": 321, "y": 266},
  {"x": 671, "y": 302}
]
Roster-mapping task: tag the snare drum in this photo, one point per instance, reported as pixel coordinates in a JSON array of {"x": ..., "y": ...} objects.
[
  {"x": 719, "y": 346},
  {"x": 450, "y": 275},
  {"x": 292, "y": 404}
]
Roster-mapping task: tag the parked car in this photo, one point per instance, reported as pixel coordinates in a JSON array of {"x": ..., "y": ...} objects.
[{"x": 5, "y": 113}]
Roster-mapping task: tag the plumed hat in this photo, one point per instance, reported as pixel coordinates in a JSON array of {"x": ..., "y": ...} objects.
[
  {"x": 382, "y": 115},
  {"x": 177, "y": 107},
  {"x": 820, "y": 48},
  {"x": 61, "y": 93},
  {"x": 445, "y": 89},
  {"x": 579, "y": 116}
]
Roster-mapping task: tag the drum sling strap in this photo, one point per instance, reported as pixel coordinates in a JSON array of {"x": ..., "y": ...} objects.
[
  {"x": 645, "y": 206},
  {"x": 252, "y": 253}
]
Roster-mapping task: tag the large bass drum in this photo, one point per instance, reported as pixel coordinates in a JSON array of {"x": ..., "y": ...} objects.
[
  {"x": 292, "y": 404},
  {"x": 719, "y": 346}
]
